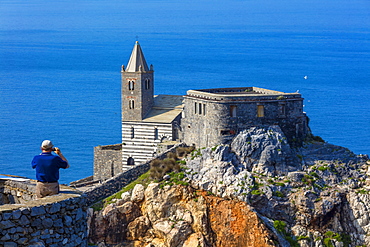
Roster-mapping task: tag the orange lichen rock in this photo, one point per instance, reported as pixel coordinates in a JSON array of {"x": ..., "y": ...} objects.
[{"x": 234, "y": 224}]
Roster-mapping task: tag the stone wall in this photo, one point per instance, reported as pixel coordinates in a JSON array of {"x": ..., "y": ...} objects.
[
  {"x": 116, "y": 183},
  {"x": 107, "y": 161},
  {"x": 13, "y": 192},
  {"x": 59, "y": 220}
]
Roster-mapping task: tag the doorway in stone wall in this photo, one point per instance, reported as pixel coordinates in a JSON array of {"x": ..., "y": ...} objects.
[{"x": 130, "y": 161}]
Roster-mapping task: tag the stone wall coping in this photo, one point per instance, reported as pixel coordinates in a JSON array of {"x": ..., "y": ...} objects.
[
  {"x": 258, "y": 93},
  {"x": 66, "y": 193}
]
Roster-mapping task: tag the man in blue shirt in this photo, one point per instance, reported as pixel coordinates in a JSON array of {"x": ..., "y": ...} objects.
[{"x": 47, "y": 169}]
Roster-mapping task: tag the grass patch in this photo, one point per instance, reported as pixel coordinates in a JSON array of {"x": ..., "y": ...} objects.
[
  {"x": 280, "y": 227},
  {"x": 256, "y": 192},
  {"x": 143, "y": 179},
  {"x": 322, "y": 168},
  {"x": 362, "y": 191}
]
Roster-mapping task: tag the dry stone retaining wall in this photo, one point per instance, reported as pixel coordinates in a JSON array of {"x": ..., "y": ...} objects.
[
  {"x": 14, "y": 192},
  {"x": 53, "y": 221}
]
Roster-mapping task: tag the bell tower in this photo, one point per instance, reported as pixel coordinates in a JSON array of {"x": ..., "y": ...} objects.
[{"x": 137, "y": 88}]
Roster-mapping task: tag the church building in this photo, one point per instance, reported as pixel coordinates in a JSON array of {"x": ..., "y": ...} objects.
[{"x": 203, "y": 117}]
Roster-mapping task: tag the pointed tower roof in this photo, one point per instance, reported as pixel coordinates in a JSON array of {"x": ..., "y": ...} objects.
[{"x": 137, "y": 60}]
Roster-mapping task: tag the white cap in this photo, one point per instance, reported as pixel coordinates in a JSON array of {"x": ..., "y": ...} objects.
[{"x": 46, "y": 144}]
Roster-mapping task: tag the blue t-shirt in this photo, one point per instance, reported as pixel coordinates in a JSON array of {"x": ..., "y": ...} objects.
[{"x": 47, "y": 167}]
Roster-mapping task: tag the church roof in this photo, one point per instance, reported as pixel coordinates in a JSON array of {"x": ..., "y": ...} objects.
[
  {"x": 166, "y": 108},
  {"x": 136, "y": 60}
]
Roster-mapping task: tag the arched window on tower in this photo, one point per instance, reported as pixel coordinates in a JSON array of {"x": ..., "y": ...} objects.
[
  {"x": 131, "y": 104},
  {"x": 131, "y": 85}
]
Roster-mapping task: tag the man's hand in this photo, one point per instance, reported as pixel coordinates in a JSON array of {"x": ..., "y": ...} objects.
[{"x": 58, "y": 152}]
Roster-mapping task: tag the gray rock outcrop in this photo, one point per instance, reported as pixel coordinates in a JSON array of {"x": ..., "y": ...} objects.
[
  {"x": 320, "y": 190},
  {"x": 255, "y": 191}
]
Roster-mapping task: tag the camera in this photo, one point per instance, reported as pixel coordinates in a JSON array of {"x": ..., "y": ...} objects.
[{"x": 54, "y": 149}]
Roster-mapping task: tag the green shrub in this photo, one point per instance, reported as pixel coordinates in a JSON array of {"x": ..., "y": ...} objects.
[
  {"x": 279, "y": 184},
  {"x": 280, "y": 226},
  {"x": 182, "y": 162},
  {"x": 256, "y": 192},
  {"x": 314, "y": 174},
  {"x": 362, "y": 191},
  {"x": 303, "y": 238},
  {"x": 322, "y": 168},
  {"x": 158, "y": 168},
  {"x": 278, "y": 194},
  {"x": 344, "y": 238},
  {"x": 327, "y": 242}
]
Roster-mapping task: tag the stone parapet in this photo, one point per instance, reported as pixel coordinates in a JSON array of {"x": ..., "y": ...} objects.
[
  {"x": 16, "y": 192},
  {"x": 58, "y": 220}
]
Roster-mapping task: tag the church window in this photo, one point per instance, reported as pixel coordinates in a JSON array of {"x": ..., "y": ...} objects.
[
  {"x": 233, "y": 111},
  {"x": 131, "y": 104},
  {"x": 200, "y": 108},
  {"x": 147, "y": 84},
  {"x": 282, "y": 109},
  {"x": 131, "y": 85},
  {"x": 156, "y": 136},
  {"x": 195, "y": 107},
  {"x": 132, "y": 133},
  {"x": 204, "y": 109},
  {"x": 130, "y": 161},
  {"x": 260, "y": 111}
]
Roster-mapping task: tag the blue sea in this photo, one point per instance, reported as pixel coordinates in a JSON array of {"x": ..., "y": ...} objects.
[{"x": 60, "y": 66}]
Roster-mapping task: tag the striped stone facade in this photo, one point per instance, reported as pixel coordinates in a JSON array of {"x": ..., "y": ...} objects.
[{"x": 140, "y": 141}]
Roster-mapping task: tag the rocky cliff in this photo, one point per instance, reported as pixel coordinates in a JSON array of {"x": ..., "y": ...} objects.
[
  {"x": 178, "y": 216},
  {"x": 257, "y": 191}
]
